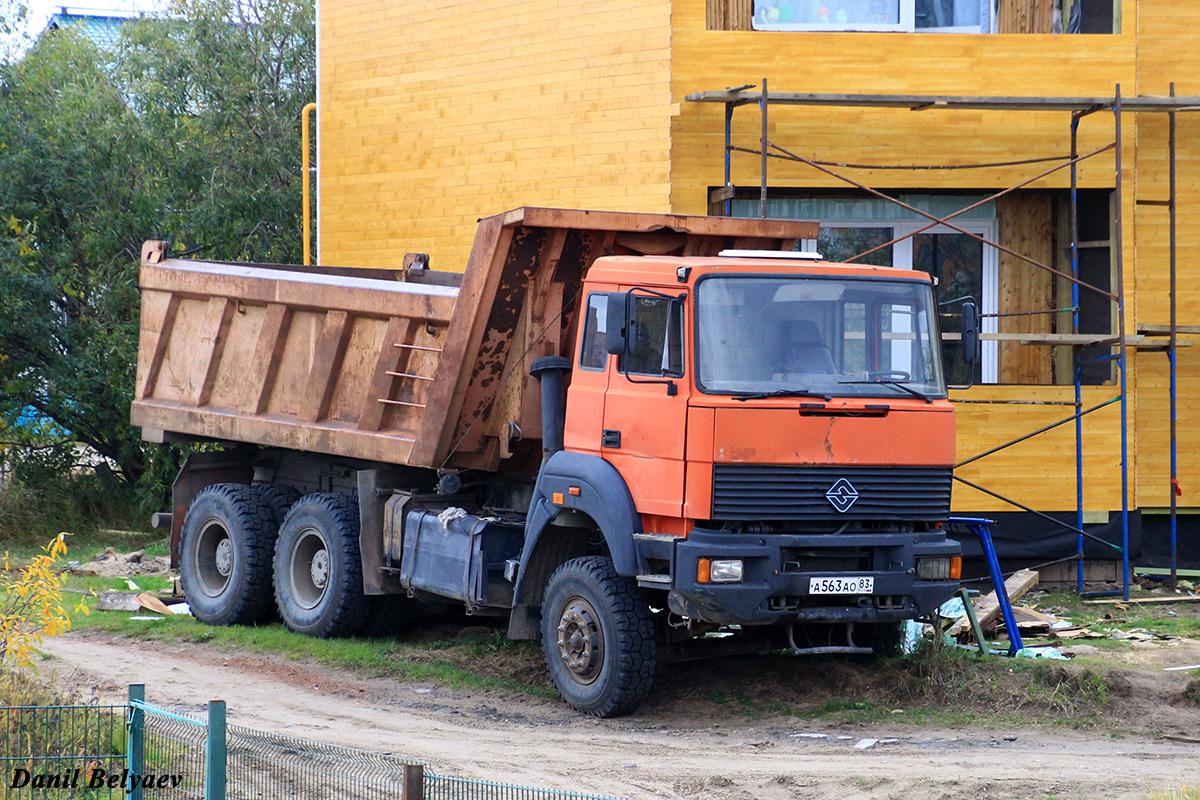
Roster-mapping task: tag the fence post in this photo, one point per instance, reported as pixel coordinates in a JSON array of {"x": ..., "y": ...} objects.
[
  {"x": 414, "y": 782},
  {"x": 214, "y": 762},
  {"x": 135, "y": 736}
]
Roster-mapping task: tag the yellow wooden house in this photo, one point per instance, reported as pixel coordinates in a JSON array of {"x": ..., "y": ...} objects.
[{"x": 433, "y": 114}]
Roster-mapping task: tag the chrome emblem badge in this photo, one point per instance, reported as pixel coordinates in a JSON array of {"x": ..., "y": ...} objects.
[{"x": 842, "y": 495}]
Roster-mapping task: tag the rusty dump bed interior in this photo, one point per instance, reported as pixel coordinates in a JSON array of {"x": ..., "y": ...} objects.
[{"x": 356, "y": 363}]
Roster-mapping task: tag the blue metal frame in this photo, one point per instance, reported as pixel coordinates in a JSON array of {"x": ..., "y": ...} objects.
[
  {"x": 982, "y": 528},
  {"x": 1121, "y": 357}
]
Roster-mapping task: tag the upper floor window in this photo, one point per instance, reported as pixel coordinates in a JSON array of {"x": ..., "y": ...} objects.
[
  {"x": 917, "y": 16},
  {"x": 966, "y": 16}
]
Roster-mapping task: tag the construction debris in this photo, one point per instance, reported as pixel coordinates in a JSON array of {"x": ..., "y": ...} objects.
[
  {"x": 111, "y": 564},
  {"x": 151, "y": 603},
  {"x": 988, "y": 607},
  {"x": 1178, "y": 598},
  {"x": 117, "y": 601}
]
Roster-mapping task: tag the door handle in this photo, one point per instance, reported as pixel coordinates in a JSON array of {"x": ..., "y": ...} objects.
[{"x": 611, "y": 439}]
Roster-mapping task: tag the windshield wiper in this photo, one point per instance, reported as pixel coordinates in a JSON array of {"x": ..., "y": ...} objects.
[
  {"x": 897, "y": 384},
  {"x": 785, "y": 393}
]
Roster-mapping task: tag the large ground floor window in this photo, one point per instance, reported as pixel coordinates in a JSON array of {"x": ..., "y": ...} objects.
[{"x": 963, "y": 267}]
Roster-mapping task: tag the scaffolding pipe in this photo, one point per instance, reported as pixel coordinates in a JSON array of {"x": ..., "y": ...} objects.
[
  {"x": 1172, "y": 353},
  {"x": 1041, "y": 514},
  {"x": 1076, "y": 369},
  {"x": 1123, "y": 361},
  {"x": 762, "y": 189},
  {"x": 728, "y": 157}
]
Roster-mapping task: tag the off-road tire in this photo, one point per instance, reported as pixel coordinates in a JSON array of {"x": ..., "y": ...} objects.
[
  {"x": 598, "y": 637},
  {"x": 279, "y": 496},
  {"x": 318, "y": 571},
  {"x": 225, "y": 550}
]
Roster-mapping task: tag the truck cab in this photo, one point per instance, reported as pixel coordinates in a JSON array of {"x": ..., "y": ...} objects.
[{"x": 782, "y": 427}]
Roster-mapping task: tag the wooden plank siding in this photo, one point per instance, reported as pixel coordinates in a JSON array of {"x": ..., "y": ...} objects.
[
  {"x": 432, "y": 115},
  {"x": 1169, "y": 31},
  {"x": 1040, "y": 472},
  {"x": 435, "y": 114},
  {"x": 886, "y": 63}
]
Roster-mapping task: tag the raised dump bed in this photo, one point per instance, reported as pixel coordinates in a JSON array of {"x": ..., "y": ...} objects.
[{"x": 400, "y": 367}]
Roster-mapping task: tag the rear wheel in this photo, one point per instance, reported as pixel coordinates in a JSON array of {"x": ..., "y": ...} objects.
[
  {"x": 279, "y": 496},
  {"x": 598, "y": 638},
  {"x": 318, "y": 571},
  {"x": 225, "y": 555}
]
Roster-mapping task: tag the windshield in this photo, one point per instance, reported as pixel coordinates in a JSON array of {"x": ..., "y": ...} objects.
[{"x": 836, "y": 336}]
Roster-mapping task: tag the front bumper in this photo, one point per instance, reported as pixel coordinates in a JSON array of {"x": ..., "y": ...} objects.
[{"x": 774, "y": 590}]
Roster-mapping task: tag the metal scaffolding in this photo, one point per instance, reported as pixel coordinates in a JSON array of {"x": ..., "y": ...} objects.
[{"x": 1078, "y": 108}]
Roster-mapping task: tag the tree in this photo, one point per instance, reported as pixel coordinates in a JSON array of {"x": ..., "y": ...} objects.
[{"x": 189, "y": 131}]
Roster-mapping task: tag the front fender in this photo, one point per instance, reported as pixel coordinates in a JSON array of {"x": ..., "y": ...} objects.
[{"x": 603, "y": 496}]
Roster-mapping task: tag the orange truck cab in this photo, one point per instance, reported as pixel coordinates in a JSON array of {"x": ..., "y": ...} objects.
[{"x": 775, "y": 431}]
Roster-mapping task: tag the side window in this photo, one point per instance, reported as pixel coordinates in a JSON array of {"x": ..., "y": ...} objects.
[
  {"x": 594, "y": 351},
  {"x": 658, "y": 348}
]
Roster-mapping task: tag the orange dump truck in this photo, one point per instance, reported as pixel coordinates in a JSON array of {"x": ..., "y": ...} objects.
[{"x": 623, "y": 432}]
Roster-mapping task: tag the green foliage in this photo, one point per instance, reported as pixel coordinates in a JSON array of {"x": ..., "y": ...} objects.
[{"x": 189, "y": 131}]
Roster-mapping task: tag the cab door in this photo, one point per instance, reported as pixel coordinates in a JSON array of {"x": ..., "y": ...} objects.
[
  {"x": 589, "y": 378},
  {"x": 645, "y": 411}
]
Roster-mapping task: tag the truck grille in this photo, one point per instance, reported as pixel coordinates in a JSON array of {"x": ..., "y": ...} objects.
[
  {"x": 783, "y": 492},
  {"x": 795, "y": 560}
]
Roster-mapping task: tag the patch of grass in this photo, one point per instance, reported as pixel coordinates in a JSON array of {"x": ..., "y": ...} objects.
[
  {"x": 1182, "y": 793},
  {"x": 84, "y": 546},
  {"x": 483, "y": 660},
  {"x": 1172, "y": 619}
]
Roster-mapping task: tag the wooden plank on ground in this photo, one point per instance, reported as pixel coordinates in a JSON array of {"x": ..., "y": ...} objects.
[
  {"x": 1181, "y": 598},
  {"x": 988, "y": 607}
]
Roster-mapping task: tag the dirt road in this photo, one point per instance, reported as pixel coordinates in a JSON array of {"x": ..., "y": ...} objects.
[{"x": 666, "y": 752}]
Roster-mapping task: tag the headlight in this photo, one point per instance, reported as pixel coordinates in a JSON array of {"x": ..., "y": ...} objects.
[
  {"x": 725, "y": 570},
  {"x": 942, "y": 568}
]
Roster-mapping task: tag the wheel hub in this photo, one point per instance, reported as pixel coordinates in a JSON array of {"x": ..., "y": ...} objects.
[
  {"x": 320, "y": 569},
  {"x": 580, "y": 640},
  {"x": 224, "y": 557}
]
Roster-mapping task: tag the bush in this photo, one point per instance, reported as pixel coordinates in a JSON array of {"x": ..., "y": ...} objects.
[{"x": 31, "y": 605}]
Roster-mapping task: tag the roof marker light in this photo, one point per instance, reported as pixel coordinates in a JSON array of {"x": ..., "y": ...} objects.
[{"x": 799, "y": 255}]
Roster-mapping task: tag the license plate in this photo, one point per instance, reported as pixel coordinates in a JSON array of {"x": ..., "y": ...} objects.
[{"x": 847, "y": 585}]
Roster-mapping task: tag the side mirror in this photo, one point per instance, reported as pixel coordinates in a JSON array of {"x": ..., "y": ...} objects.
[
  {"x": 617, "y": 322},
  {"x": 970, "y": 333}
]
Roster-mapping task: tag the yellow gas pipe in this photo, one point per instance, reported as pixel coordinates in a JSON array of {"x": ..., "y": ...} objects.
[{"x": 308, "y": 109}]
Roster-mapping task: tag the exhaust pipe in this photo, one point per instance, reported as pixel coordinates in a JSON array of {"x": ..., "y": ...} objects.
[{"x": 550, "y": 371}]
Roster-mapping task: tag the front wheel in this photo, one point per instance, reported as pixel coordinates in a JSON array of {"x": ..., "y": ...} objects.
[
  {"x": 598, "y": 638},
  {"x": 318, "y": 571}
]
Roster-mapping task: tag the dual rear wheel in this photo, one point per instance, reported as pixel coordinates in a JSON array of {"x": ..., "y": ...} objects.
[{"x": 246, "y": 550}]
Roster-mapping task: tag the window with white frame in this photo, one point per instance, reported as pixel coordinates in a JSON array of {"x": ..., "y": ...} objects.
[
  {"x": 952, "y": 16},
  {"x": 962, "y": 265}
]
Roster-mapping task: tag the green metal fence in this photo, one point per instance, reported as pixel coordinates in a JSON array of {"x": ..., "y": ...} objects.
[
  {"x": 62, "y": 751},
  {"x": 145, "y": 753}
]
